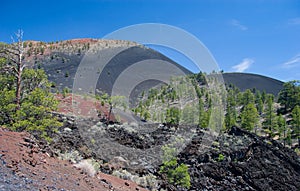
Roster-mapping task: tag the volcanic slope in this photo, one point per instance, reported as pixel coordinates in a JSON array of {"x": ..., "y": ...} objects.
[
  {"x": 249, "y": 81},
  {"x": 61, "y": 59}
]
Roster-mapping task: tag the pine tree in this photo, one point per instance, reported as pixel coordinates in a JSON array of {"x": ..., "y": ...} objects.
[
  {"x": 231, "y": 115},
  {"x": 281, "y": 127},
  {"x": 289, "y": 137},
  {"x": 203, "y": 115},
  {"x": 249, "y": 117},
  {"x": 264, "y": 96},
  {"x": 289, "y": 97},
  {"x": 296, "y": 122},
  {"x": 270, "y": 122},
  {"x": 259, "y": 102},
  {"x": 189, "y": 114},
  {"x": 175, "y": 173},
  {"x": 147, "y": 115},
  {"x": 248, "y": 97},
  {"x": 173, "y": 116},
  {"x": 239, "y": 98}
]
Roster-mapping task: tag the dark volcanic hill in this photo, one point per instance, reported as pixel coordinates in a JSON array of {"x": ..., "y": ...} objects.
[
  {"x": 249, "y": 81},
  {"x": 60, "y": 60}
]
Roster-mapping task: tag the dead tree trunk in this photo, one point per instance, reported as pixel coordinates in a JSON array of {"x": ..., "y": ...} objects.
[
  {"x": 14, "y": 54},
  {"x": 20, "y": 66}
]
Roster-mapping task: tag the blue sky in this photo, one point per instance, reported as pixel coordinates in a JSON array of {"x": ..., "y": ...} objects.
[{"x": 255, "y": 36}]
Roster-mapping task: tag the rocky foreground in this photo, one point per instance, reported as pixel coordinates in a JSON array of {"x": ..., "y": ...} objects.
[
  {"x": 249, "y": 163},
  {"x": 26, "y": 164},
  {"x": 235, "y": 160}
]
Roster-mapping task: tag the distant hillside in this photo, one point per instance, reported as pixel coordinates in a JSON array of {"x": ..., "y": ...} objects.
[
  {"x": 127, "y": 58},
  {"x": 61, "y": 59},
  {"x": 249, "y": 81}
]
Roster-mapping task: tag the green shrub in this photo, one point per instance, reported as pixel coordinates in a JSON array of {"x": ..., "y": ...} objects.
[
  {"x": 221, "y": 157},
  {"x": 65, "y": 92},
  {"x": 176, "y": 174},
  {"x": 34, "y": 114},
  {"x": 36, "y": 103}
]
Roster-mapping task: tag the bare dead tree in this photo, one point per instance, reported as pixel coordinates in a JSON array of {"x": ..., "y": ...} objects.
[{"x": 14, "y": 54}]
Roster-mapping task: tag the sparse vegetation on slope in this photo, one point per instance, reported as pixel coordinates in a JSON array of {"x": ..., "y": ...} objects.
[{"x": 259, "y": 112}]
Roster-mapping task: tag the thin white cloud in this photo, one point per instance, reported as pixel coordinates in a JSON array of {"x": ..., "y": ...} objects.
[
  {"x": 294, "y": 21},
  {"x": 244, "y": 65},
  {"x": 237, "y": 24},
  {"x": 293, "y": 62}
]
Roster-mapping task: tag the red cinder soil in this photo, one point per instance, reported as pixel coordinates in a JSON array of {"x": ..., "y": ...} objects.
[
  {"x": 25, "y": 158},
  {"x": 80, "y": 106}
]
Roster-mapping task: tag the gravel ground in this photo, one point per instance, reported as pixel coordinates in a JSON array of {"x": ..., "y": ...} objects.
[
  {"x": 9, "y": 181},
  {"x": 24, "y": 165}
]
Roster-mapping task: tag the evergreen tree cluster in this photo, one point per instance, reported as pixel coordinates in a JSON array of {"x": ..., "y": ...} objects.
[
  {"x": 26, "y": 103},
  {"x": 260, "y": 112},
  {"x": 264, "y": 113}
]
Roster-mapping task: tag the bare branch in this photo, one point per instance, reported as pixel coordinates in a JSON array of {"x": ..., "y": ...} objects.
[
  {"x": 15, "y": 70},
  {"x": 11, "y": 52},
  {"x": 19, "y": 35},
  {"x": 7, "y": 68},
  {"x": 12, "y": 39},
  {"x": 15, "y": 62},
  {"x": 10, "y": 69},
  {"x": 9, "y": 57}
]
